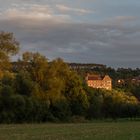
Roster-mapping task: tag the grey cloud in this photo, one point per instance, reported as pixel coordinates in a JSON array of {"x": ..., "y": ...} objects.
[
  {"x": 66, "y": 9},
  {"x": 78, "y": 42}
]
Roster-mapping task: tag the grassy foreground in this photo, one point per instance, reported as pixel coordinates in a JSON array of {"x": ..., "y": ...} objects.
[{"x": 82, "y": 131}]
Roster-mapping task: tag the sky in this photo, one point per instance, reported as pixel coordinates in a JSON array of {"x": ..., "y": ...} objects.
[{"x": 84, "y": 31}]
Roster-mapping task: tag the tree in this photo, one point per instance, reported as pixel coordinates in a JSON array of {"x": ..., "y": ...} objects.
[
  {"x": 76, "y": 94},
  {"x": 8, "y": 47},
  {"x": 56, "y": 79},
  {"x": 37, "y": 66},
  {"x": 23, "y": 83},
  {"x": 65, "y": 84},
  {"x": 95, "y": 103}
]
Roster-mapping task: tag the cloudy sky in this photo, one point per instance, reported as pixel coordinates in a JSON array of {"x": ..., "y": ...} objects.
[{"x": 86, "y": 31}]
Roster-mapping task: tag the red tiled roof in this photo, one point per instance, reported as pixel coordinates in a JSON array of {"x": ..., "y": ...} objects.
[{"x": 94, "y": 77}]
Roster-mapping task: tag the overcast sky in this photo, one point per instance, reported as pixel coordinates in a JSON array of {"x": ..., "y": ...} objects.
[{"x": 86, "y": 31}]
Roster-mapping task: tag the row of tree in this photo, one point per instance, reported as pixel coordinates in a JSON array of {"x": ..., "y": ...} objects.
[{"x": 35, "y": 90}]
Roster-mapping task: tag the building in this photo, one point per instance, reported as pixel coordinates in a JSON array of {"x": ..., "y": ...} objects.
[
  {"x": 120, "y": 81},
  {"x": 131, "y": 80},
  {"x": 98, "y": 81},
  {"x": 136, "y": 80}
]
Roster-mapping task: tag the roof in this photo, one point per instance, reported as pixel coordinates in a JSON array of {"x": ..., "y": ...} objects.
[{"x": 96, "y": 77}]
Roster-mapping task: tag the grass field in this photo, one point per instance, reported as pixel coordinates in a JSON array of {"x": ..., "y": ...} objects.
[{"x": 82, "y": 131}]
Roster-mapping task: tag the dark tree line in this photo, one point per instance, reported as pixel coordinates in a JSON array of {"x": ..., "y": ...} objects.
[{"x": 35, "y": 90}]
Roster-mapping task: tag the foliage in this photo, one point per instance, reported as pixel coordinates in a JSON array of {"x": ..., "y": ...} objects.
[
  {"x": 37, "y": 90},
  {"x": 8, "y": 47}
]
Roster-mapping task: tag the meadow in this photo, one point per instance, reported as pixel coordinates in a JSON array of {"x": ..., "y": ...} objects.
[{"x": 78, "y": 131}]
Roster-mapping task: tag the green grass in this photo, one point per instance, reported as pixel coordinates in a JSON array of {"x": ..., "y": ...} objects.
[{"x": 83, "y": 131}]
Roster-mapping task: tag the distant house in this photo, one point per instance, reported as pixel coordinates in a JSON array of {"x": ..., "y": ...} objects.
[
  {"x": 98, "y": 81},
  {"x": 131, "y": 80},
  {"x": 120, "y": 81},
  {"x": 136, "y": 80}
]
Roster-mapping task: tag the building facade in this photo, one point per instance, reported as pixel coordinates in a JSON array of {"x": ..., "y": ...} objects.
[{"x": 99, "y": 82}]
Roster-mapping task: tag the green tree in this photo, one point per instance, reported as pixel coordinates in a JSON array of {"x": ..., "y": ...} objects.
[
  {"x": 37, "y": 66},
  {"x": 23, "y": 83},
  {"x": 95, "y": 104},
  {"x": 8, "y": 47}
]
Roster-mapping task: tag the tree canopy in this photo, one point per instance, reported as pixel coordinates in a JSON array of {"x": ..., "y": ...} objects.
[
  {"x": 38, "y": 90},
  {"x": 8, "y": 47}
]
